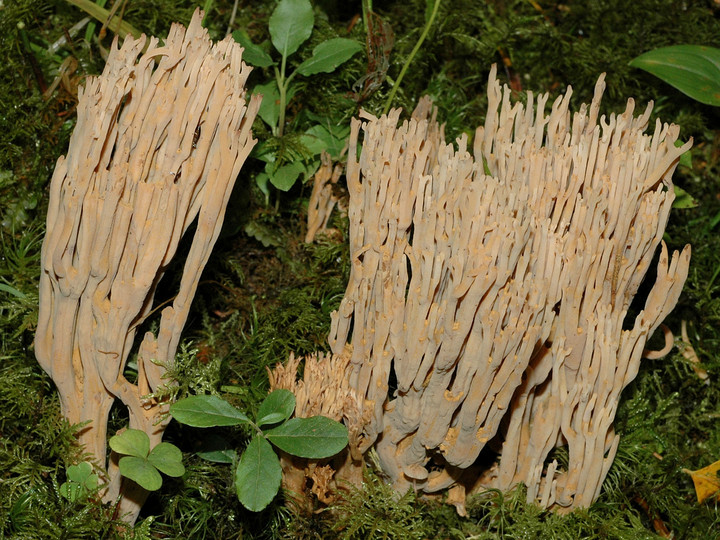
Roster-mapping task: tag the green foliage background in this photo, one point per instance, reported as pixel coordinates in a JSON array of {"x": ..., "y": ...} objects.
[{"x": 267, "y": 293}]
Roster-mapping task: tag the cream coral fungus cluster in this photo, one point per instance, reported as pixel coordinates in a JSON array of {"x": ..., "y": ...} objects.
[
  {"x": 489, "y": 297},
  {"x": 322, "y": 391},
  {"x": 159, "y": 141}
]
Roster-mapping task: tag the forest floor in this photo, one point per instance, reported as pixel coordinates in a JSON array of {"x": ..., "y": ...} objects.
[{"x": 266, "y": 293}]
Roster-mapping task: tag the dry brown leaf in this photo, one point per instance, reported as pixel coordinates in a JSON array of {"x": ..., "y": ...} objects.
[{"x": 707, "y": 481}]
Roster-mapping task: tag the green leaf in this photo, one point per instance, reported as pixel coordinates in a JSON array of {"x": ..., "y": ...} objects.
[
  {"x": 234, "y": 388},
  {"x": 316, "y": 139},
  {"x": 486, "y": 168},
  {"x": 692, "y": 69},
  {"x": 269, "y": 109},
  {"x": 206, "y": 411},
  {"x": 686, "y": 158},
  {"x": 277, "y": 407},
  {"x": 253, "y": 54},
  {"x": 79, "y": 473},
  {"x": 82, "y": 473},
  {"x": 429, "y": 6},
  {"x": 141, "y": 471},
  {"x": 683, "y": 199},
  {"x": 12, "y": 290},
  {"x": 315, "y": 437},
  {"x": 264, "y": 152},
  {"x": 284, "y": 177},
  {"x": 72, "y": 491},
  {"x": 81, "y": 482},
  {"x": 329, "y": 55},
  {"x": 222, "y": 455},
  {"x": 216, "y": 449},
  {"x": 290, "y": 25},
  {"x": 258, "y": 475},
  {"x": 262, "y": 180},
  {"x": 311, "y": 168},
  {"x": 90, "y": 29},
  {"x": 91, "y": 483},
  {"x": 319, "y": 138},
  {"x": 713, "y": 222},
  {"x": 131, "y": 442},
  {"x": 167, "y": 458},
  {"x": 115, "y": 24},
  {"x": 271, "y": 418},
  {"x": 270, "y": 105}
]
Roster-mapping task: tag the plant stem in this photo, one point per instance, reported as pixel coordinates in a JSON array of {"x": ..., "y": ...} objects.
[
  {"x": 122, "y": 28},
  {"x": 419, "y": 43},
  {"x": 206, "y": 8},
  {"x": 367, "y": 9},
  {"x": 90, "y": 30},
  {"x": 232, "y": 18},
  {"x": 258, "y": 431},
  {"x": 282, "y": 88}
]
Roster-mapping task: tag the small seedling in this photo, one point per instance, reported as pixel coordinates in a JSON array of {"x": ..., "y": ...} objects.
[
  {"x": 81, "y": 483},
  {"x": 291, "y": 24},
  {"x": 142, "y": 465},
  {"x": 258, "y": 473}
]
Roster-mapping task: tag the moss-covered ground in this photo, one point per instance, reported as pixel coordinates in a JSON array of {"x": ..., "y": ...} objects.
[{"x": 266, "y": 293}]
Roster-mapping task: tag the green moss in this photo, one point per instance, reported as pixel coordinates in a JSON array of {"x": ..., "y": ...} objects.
[
  {"x": 269, "y": 305},
  {"x": 373, "y": 513}
]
